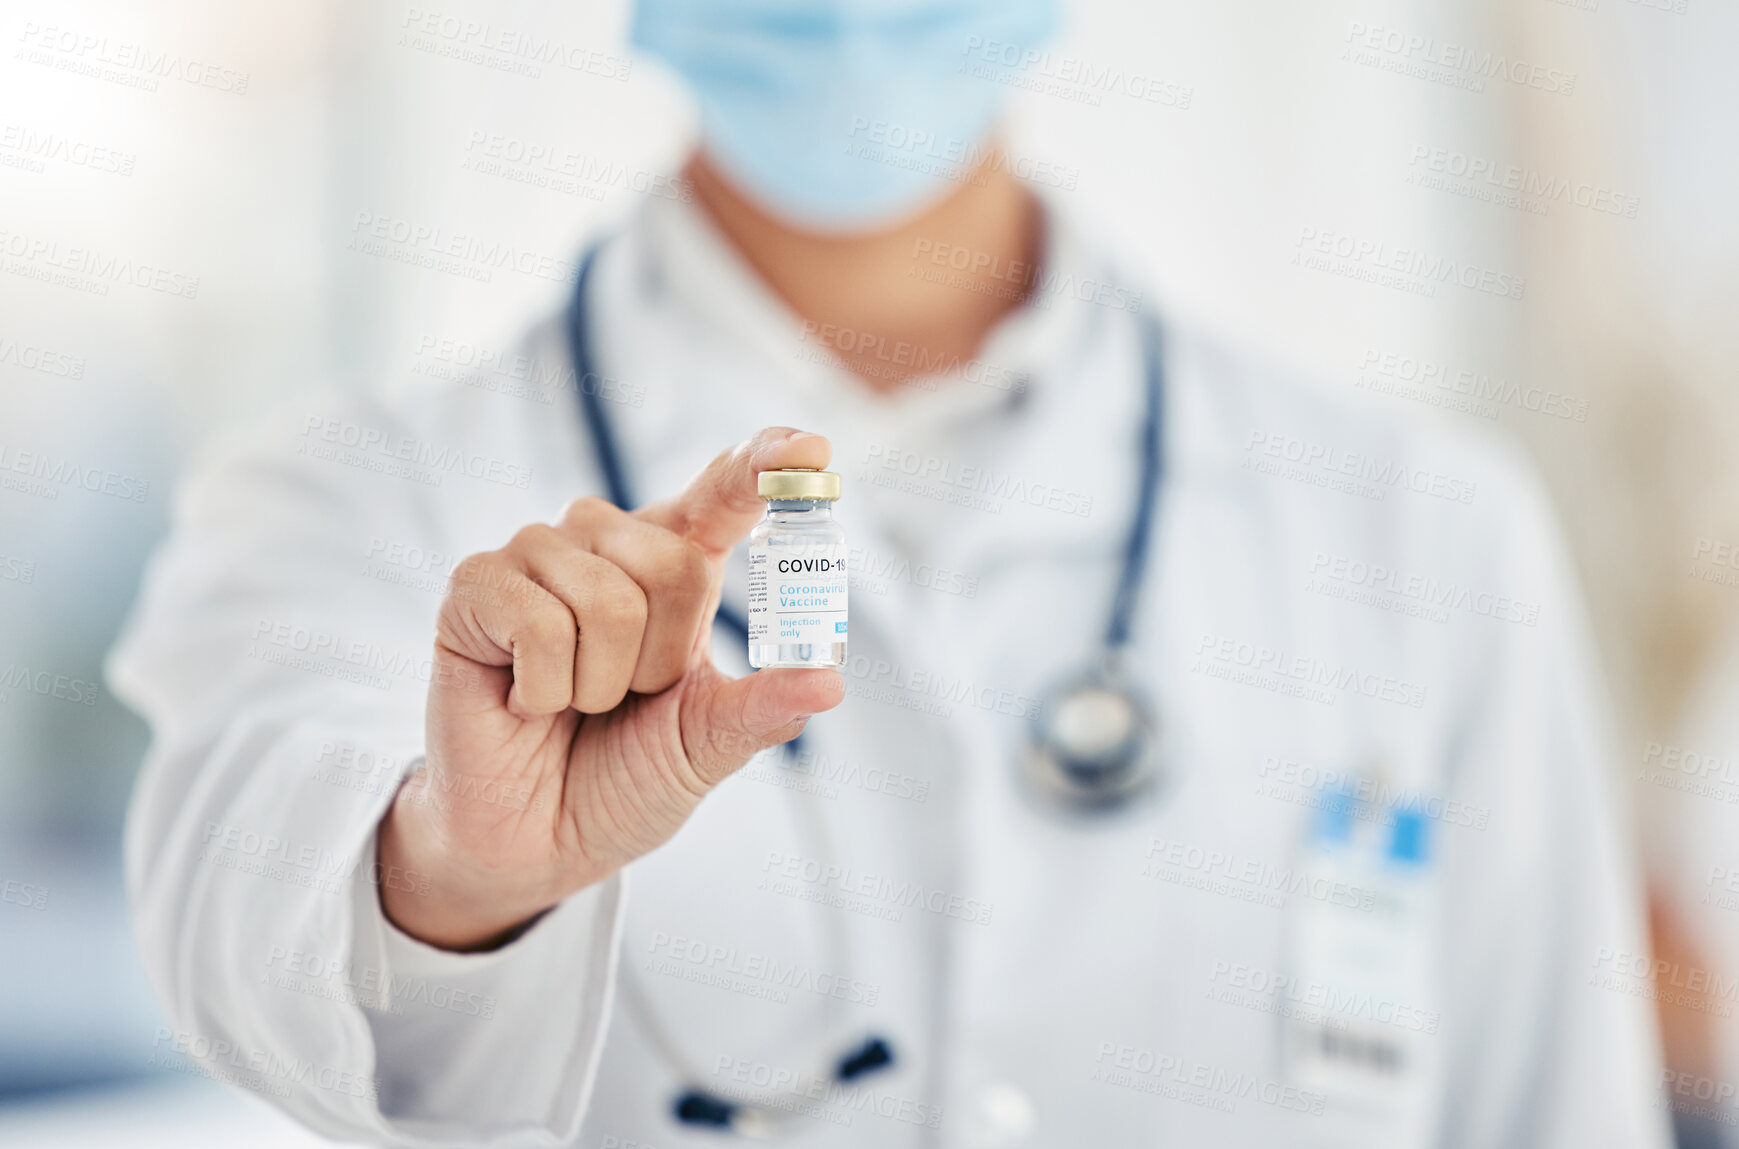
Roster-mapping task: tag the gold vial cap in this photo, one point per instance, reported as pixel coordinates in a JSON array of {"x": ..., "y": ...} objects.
[{"x": 798, "y": 483}]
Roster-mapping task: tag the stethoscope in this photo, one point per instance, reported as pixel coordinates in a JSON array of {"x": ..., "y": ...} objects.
[{"x": 1095, "y": 746}]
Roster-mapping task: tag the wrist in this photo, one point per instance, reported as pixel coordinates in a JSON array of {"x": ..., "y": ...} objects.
[{"x": 444, "y": 899}]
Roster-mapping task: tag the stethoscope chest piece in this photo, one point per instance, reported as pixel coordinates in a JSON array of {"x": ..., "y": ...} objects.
[{"x": 1096, "y": 741}]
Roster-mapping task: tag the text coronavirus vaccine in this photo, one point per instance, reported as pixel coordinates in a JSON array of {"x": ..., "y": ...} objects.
[{"x": 797, "y": 573}]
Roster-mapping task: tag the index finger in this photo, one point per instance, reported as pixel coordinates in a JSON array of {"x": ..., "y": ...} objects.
[{"x": 720, "y": 505}]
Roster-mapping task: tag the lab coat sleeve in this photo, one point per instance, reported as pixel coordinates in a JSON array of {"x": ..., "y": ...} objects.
[
  {"x": 458, "y": 1059},
  {"x": 284, "y": 684},
  {"x": 1542, "y": 1054}
]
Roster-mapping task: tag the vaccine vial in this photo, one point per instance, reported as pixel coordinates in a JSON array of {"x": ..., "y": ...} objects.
[{"x": 797, "y": 578}]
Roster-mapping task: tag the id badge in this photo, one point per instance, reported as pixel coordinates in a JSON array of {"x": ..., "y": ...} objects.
[{"x": 1361, "y": 945}]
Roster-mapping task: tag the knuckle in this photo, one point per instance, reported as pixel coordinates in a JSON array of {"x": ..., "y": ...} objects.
[
  {"x": 548, "y": 625},
  {"x": 472, "y": 567},
  {"x": 681, "y": 569},
  {"x": 566, "y": 589},
  {"x": 536, "y": 535},
  {"x": 691, "y": 566},
  {"x": 588, "y": 509},
  {"x": 620, "y": 607},
  {"x": 477, "y": 574}
]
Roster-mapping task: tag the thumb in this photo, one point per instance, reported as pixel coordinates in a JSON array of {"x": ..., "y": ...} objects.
[{"x": 730, "y": 720}]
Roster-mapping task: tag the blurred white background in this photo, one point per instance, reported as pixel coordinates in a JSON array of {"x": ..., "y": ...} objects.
[{"x": 180, "y": 185}]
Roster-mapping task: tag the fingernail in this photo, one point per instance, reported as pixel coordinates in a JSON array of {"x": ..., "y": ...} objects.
[{"x": 796, "y": 435}]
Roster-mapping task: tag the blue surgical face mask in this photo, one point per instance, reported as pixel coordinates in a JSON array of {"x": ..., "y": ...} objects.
[{"x": 844, "y": 115}]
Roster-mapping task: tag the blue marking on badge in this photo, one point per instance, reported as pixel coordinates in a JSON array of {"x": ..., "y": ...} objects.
[
  {"x": 1407, "y": 838},
  {"x": 1334, "y": 817}
]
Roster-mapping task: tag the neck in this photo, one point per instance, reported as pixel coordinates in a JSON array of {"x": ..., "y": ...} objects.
[{"x": 891, "y": 303}]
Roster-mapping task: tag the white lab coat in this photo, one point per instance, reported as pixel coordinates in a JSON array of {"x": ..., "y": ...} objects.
[{"x": 1042, "y": 981}]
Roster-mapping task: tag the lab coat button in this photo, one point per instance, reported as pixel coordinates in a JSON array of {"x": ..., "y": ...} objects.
[{"x": 1005, "y": 1115}]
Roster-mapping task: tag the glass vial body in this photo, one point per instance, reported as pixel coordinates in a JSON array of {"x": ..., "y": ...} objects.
[{"x": 797, "y": 586}]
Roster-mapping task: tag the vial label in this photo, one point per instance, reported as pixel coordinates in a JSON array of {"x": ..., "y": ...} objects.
[{"x": 797, "y": 592}]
